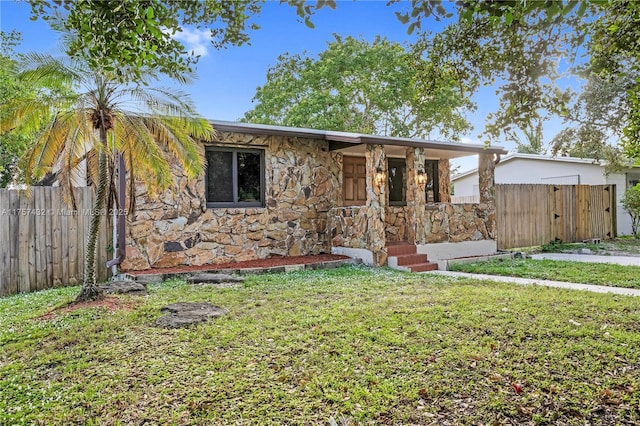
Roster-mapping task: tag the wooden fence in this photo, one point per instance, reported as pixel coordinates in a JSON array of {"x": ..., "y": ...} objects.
[
  {"x": 530, "y": 215},
  {"x": 43, "y": 240}
]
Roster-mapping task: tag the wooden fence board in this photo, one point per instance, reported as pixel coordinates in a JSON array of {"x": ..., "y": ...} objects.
[
  {"x": 42, "y": 240},
  {"x": 75, "y": 227},
  {"x": 529, "y": 215},
  {"x": 56, "y": 238},
  {"x": 64, "y": 243},
  {"x": 39, "y": 239},
  {"x": 25, "y": 234},
  {"x": 5, "y": 235},
  {"x": 14, "y": 205}
]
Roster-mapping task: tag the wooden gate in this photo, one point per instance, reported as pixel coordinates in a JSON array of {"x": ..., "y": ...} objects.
[{"x": 530, "y": 215}]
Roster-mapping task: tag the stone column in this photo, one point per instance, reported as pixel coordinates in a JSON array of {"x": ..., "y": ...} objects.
[
  {"x": 416, "y": 196},
  {"x": 377, "y": 202},
  {"x": 444, "y": 180},
  {"x": 486, "y": 182},
  {"x": 486, "y": 178}
]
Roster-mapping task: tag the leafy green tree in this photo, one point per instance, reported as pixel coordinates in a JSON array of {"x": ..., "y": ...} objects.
[
  {"x": 103, "y": 115},
  {"x": 135, "y": 37},
  {"x": 12, "y": 144},
  {"x": 379, "y": 87},
  {"x": 524, "y": 46},
  {"x": 596, "y": 121},
  {"x": 631, "y": 203}
]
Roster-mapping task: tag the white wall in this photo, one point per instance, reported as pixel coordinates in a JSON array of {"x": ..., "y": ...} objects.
[
  {"x": 466, "y": 186},
  {"x": 622, "y": 182}
]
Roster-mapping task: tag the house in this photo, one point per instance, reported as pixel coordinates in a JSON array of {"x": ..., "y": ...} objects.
[
  {"x": 518, "y": 168},
  {"x": 279, "y": 191}
]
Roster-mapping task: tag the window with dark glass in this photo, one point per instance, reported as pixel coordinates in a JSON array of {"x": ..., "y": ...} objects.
[
  {"x": 432, "y": 186},
  {"x": 397, "y": 181},
  {"x": 234, "y": 177}
]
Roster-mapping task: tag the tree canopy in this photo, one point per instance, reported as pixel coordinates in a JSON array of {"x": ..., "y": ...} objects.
[
  {"x": 137, "y": 37},
  {"x": 14, "y": 143},
  {"x": 525, "y": 46},
  {"x": 378, "y": 87}
]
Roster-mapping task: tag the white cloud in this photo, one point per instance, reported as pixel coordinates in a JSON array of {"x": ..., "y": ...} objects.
[
  {"x": 195, "y": 40},
  {"x": 471, "y": 141}
]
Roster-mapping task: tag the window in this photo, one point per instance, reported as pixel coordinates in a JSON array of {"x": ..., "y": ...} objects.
[
  {"x": 235, "y": 177},
  {"x": 632, "y": 179},
  {"x": 397, "y": 182},
  {"x": 433, "y": 187}
]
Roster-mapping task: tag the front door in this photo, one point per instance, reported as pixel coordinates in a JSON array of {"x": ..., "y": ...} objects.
[{"x": 354, "y": 181}]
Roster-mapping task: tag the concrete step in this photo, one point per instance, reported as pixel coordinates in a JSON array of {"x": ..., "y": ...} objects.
[
  {"x": 403, "y": 256},
  {"x": 399, "y": 249},
  {"x": 410, "y": 259},
  {"x": 423, "y": 267}
]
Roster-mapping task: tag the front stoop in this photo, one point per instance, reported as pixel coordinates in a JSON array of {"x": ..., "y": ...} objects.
[{"x": 404, "y": 256}]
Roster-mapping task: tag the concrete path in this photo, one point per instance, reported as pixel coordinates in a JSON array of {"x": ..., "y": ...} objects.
[
  {"x": 619, "y": 260},
  {"x": 546, "y": 283}
]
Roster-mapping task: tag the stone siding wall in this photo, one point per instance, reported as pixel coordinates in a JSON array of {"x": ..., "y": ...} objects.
[
  {"x": 459, "y": 222},
  {"x": 348, "y": 227},
  {"x": 303, "y": 181},
  {"x": 397, "y": 223}
]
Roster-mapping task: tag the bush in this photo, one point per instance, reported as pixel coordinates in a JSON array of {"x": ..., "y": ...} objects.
[{"x": 631, "y": 203}]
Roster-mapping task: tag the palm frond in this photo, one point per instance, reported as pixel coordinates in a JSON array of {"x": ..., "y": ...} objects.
[{"x": 148, "y": 162}]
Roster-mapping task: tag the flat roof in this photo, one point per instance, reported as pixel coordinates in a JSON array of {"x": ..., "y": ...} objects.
[
  {"x": 346, "y": 140},
  {"x": 540, "y": 157}
]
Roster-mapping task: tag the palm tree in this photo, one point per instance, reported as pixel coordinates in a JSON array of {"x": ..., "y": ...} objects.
[
  {"x": 533, "y": 140},
  {"x": 104, "y": 115}
]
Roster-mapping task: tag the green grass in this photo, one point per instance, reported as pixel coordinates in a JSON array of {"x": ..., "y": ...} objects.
[
  {"x": 357, "y": 345},
  {"x": 557, "y": 270},
  {"x": 620, "y": 246}
]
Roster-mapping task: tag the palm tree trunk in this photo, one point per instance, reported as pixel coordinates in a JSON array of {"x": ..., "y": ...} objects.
[{"x": 90, "y": 289}]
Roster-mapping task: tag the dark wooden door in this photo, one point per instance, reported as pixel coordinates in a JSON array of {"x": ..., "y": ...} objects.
[{"x": 354, "y": 181}]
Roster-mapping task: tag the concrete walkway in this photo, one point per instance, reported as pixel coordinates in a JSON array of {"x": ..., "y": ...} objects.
[
  {"x": 531, "y": 281},
  {"x": 618, "y": 260}
]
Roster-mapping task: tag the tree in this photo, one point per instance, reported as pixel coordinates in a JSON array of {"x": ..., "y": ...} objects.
[
  {"x": 533, "y": 142},
  {"x": 103, "y": 115},
  {"x": 135, "y": 37},
  {"x": 12, "y": 144},
  {"x": 483, "y": 53},
  {"x": 379, "y": 87},
  {"x": 631, "y": 203},
  {"x": 596, "y": 120},
  {"x": 525, "y": 46}
]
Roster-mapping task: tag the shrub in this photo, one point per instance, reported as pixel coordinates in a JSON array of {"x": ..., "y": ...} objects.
[{"x": 631, "y": 203}]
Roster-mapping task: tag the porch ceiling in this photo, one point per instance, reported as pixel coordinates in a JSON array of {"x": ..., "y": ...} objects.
[{"x": 353, "y": 143}]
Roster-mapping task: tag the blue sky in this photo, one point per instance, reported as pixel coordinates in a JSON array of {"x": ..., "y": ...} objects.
[{"x": 227, "y": 79}]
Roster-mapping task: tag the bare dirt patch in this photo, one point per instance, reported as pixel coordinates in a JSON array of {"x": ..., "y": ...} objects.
[{"x": 111, "y": 303}]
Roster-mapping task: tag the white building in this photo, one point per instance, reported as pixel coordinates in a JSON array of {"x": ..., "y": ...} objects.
[{"x": 539, "y": 169}]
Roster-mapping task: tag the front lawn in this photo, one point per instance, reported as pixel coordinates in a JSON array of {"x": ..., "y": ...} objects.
[
  {"x": 620, "y": 246},
  {"x": 557, "y": 270},
  {"x": 355, "y": 345}
]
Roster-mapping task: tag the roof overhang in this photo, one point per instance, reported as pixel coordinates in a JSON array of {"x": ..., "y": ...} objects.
[{"x": 353, "y": 143}]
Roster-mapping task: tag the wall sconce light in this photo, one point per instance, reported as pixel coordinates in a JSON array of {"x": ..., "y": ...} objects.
[
  {"x": 422, "y": 178},
  {"x": 379, "y": 178}
]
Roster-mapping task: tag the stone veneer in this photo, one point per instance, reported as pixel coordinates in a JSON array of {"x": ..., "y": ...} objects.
[
  {"x": 303, "y": 186},
  {"x": 456, "y": 223},
  {"x": 303, "y": 181},
  {"x": 396, "y": 223},
  {"x": 348, "y": 226}
]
